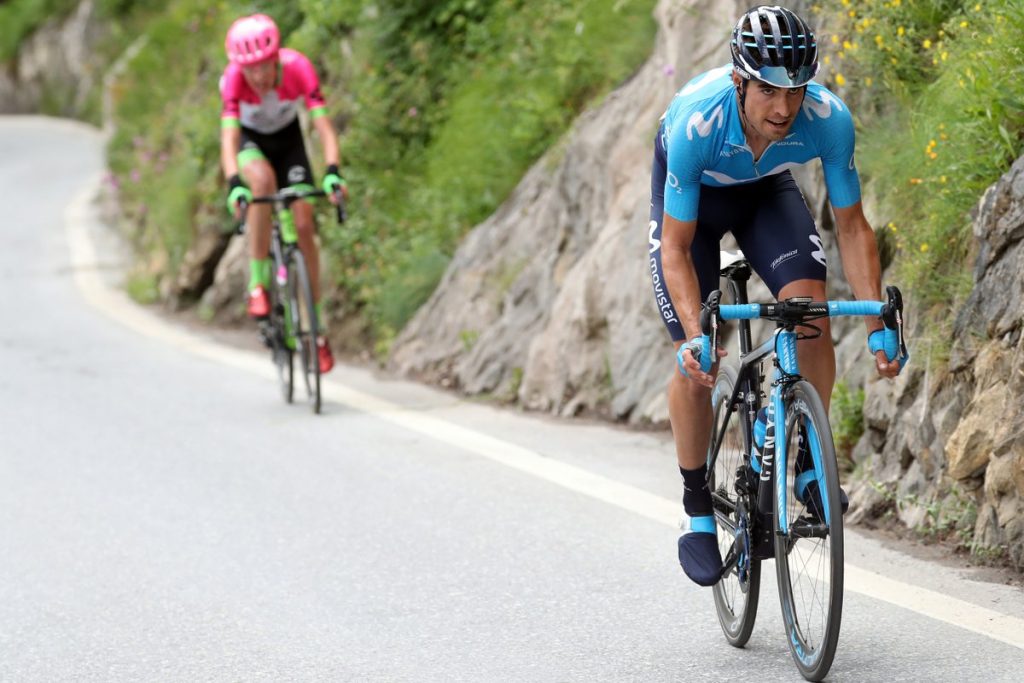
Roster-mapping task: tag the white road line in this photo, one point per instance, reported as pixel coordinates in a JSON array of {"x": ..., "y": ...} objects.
[{"x": 118, "y": 306}]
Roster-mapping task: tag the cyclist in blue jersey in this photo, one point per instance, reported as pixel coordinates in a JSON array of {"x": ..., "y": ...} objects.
[{"x": 722, "y": 161}]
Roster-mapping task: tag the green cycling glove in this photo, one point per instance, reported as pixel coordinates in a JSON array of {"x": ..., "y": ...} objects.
[
  {"x": 333, "y": 178},
  {"x": 237, "y": 193}
]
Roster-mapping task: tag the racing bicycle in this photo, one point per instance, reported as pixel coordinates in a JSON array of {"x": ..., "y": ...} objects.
[
  {"x": 291, "y": 327},
  {"x": 778, "y": 496}
]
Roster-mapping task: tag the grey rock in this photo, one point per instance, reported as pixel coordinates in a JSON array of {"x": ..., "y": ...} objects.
[
  {"x": 554, "y": 287},
  {"x": 58, "y": 63}
]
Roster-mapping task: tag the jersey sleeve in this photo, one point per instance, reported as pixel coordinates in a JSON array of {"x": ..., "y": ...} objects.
[
  {"x": 686, "y": 160},
  {"x": 229, "y": 95},
  {"x": 837, "y": 142},
  {"x": 310, "y": 83}
]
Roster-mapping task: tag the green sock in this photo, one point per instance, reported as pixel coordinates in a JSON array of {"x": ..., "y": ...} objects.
[{"x": 259, "y": 273}]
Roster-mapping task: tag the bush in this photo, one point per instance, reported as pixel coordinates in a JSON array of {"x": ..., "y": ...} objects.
[{"x": 944, "y": 94}]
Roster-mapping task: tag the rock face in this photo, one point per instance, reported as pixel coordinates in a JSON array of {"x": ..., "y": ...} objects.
[
  {"x": 949, "y": 448},
  {"x": 56, "y": 67},
  {"x": 549, "y": 301}
]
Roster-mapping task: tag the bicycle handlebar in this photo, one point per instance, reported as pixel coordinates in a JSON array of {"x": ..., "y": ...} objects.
[
  {"x": 286, "y": 197},
  {"x": 799, "y": 310}
]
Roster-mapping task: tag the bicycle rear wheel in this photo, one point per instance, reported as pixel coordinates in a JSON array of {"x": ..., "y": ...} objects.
[
  {"x": 277, "y": 335},
  {"x": 737, "y": 592},
  {"x": 305, "y": 329},
  {"x": 809, "y": 538}
]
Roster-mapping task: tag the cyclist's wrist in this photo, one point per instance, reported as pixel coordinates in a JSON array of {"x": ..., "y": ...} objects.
[
  {"x": 334, "y": 174},
  {"x": 234, "y": 181}
]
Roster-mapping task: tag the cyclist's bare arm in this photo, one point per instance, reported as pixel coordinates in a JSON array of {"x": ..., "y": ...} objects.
[
  {"x": 859, "y": 252},
  {"x": 230, "y": 142},
  {"x": 328, "y": 139},
  {"x": 683, "y": 286}
]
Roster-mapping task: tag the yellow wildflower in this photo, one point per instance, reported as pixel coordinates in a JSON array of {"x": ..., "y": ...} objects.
[
  {"x": 977, "y": 8},
  {"x": 927, "y": 44},
  {"x": 847, "y": 45},
  {"x": 869, "y": 81},
  {"x": 900, "y": 31},
  {"x": 840, "y": 80},
  {"x": 924, "y": 247},
  {"x": 852, "y": 13},
  {"x": 963, "y": 24},
  {"x": 942, "y": 179},
  {"x": 835, "y": 39},
  {"x": 933, "y": 155},
  {"x": 879, "y": 40},
  {"x": 827, "y": 60},
  {"x": 944, "y": 55},
  {"x": 916, "y": 181}
]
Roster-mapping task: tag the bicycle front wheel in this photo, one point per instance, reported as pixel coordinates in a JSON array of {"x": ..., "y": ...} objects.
[
  {"x": 736, "y": 593},
  {"x": 276, "y": 332},
  {"x": 305, "y": 328},
  {"x": 809, "y": 535}
]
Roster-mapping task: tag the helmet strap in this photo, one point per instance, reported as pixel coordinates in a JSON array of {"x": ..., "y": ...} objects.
[{"x": 741, "y": 90}]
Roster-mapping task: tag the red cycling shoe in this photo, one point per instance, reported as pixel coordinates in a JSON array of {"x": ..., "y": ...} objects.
[
  {"x": 324, "y": 355},
  {"x": 259, "y": 303}
]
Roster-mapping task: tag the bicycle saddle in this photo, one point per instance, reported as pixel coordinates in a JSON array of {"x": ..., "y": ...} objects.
[{"x": 727, "y": 259}]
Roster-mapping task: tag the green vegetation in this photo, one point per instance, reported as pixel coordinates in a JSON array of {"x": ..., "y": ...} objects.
[
  {"x": 442, "y": 106},
  {"x": 847, "y": 418},
  {"x": 939, "y": 90},
  {"x": 449, "y": 103}
]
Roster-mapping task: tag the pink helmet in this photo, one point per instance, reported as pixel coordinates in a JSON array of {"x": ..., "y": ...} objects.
[{"x": 252, "y": 39}]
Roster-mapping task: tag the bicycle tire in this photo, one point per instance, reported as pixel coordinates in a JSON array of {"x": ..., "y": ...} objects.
[
  {"x": 305, "y": 327},
  {"x": 736, "y": 596},
  {"x": 281, "y": 354},
  {"x": 810, "y": 547}
]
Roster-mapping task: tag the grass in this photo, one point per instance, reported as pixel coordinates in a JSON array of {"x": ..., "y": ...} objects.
[
  {"x": 847, "y": 418},
  {"x": 939, "y": 88},
  {"x": 442, "y": 105}
]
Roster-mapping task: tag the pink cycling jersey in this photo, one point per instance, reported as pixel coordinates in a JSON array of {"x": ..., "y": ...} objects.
[{"x": 279, "y": 107}]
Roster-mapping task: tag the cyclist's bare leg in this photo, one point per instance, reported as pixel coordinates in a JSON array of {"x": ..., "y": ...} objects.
[
  {"x": 304, "y": 226},
  {"x": 259, "y": 176},
  {"x": 689, "y": 411},
  {"x": 817, "y": 357}
]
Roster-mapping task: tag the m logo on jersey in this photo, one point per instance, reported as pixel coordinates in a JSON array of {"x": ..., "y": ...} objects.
[
  {"x": 704, "y": 126},
  {"x": 822, "y": 109},
  {"x": 654, "y": 242},
  {"x": 819, "y": 253}
]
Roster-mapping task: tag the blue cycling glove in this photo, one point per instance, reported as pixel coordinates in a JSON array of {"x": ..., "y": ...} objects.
[
  {"x": 700, "y": 349},
  {"x": 888, "y": 341}
]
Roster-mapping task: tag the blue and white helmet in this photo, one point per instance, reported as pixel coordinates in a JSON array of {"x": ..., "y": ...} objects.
[{"x": 772, "y": 44}]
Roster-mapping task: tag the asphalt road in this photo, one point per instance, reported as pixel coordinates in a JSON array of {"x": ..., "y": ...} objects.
[{"x": 165, "y": 516}]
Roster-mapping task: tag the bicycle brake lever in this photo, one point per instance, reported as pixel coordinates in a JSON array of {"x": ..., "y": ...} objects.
[{"x": 709, "y": 321}]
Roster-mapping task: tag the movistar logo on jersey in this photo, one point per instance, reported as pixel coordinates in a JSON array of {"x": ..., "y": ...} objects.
[
  {"x": 822, "y": 109},
  {"x": 704, "y": 126}
]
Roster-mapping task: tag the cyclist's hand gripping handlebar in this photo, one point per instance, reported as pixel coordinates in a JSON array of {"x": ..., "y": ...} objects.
[
  {"x": 890, "y": 339},
  {"x": 703, "y": 348}
]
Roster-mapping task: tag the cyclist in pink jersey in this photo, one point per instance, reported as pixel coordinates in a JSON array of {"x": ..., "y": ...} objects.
[{"x": 261, "y": 141}]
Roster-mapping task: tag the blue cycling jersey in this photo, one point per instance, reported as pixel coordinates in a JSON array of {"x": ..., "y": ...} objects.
[{"x": 703, "y": 136}]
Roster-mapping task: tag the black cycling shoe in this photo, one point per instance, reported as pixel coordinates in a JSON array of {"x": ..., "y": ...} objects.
[{"x": 700, "y": 558}]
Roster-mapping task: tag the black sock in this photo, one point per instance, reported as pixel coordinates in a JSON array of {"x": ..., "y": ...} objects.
[{"x": 696, "y": 496}]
